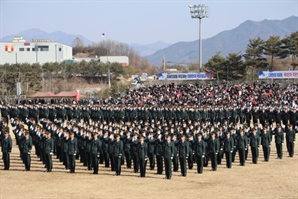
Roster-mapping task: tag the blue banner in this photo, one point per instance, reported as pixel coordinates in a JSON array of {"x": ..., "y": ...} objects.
[
  {"x": 185, "y": 76},
  {"x": 278, "y": 74}
]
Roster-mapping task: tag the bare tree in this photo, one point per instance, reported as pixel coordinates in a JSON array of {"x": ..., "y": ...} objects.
[{"x": 78, "y": 45}]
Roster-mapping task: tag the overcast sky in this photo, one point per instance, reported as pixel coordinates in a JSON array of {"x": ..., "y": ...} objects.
[{"x": 136, "y": 21}]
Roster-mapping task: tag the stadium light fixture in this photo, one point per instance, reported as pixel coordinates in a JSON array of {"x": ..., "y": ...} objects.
[{"x": 199, "y": 11}]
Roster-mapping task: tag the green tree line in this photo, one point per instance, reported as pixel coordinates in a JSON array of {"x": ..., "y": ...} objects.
[
  {"x": 33, "y": 75},
  {"x": 259, "y": 55}
]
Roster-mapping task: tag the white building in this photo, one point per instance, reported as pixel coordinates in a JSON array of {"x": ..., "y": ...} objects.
[{"x": 36, "y": 51}]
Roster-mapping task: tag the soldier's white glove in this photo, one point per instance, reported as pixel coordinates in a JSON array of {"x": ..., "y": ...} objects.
[
  {"x": 171, "y": 158},
  {"x": 51, "y": 153},
  {"x": 74, "y": 154}
]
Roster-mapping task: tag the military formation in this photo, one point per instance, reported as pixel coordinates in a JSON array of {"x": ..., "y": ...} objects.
[{"x": 162, "y": 138}]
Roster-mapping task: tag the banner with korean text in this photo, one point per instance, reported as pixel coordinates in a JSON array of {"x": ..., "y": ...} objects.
[
  {"x": 278, "y": 74},
  {"x": 185, "y": 76}
]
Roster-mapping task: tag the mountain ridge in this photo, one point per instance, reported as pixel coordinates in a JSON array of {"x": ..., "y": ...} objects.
[{"x": 228, "y": 41}]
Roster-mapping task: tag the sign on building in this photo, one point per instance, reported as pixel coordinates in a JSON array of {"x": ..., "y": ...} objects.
[{"x": 9, "y": 48}]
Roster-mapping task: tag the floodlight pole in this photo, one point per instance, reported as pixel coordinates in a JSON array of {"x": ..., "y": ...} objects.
[
  {"x": 200, "y": 43},
  {"x": 199, "y": 11}
]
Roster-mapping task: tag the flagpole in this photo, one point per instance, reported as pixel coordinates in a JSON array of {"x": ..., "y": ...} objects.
[
  {"x": 108, "y": 68},
  {"x": 109, "y": 76},
  {"x": 109, "y": 72}
]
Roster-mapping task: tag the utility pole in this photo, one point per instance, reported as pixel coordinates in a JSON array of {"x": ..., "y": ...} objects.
[
  {"x": 164, "y": 63},
  {"x": 109, "y": 74},
  {"x": 27, "y": 87}
]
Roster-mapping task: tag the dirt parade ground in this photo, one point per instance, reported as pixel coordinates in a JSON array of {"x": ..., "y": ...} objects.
[{"x": 277, "y": 178}]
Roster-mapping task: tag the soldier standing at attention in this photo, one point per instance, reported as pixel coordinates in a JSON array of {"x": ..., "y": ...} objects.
[
  {"x": 168, "y": 157},
  {"x": 213, "y": 151},
  {"x": 105, "y": 148},
  {"x": 151, "y": 146},
  {"x": 159, "y": 154},
  {"x": 6, "y": 144},
  {"x": 111, "y": 145},
  {"x": 72, "y": 151},
  {"x": 278, "y": 116},
  {"x": 117, "y": 154},
  {"x": 127, "y": 150},
  {"x": 65, "y": 150},
  {"x": 228, "y": 149},
  {"x": 49, "y": 149},
  {"x": 183, "y": 152},
  {"x": 5, "y": 112},
  {"x": 175, "y": 158},
  {"x": 279, "y": 141},
  {"x": 191, "y": 151},
  {"x": 95, "y": 152},
  {"x": 254, "y": 145},
  {"x": 200, "y": 153},
  {"x": 133, "y": 146},
  {"x": 265, "y": 141},
  {"x": 293, "y": 117},
  {"x": 206, "y": 137},
  {"x": 26, "y": 146},
  {"x": 142, "y": 153},
  {"x": 241, "y": 144},
  {"x": 290, "y": 139}
]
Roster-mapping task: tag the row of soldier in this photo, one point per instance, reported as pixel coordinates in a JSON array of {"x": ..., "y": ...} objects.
[
  {"x": 187, "y": 142},
  {"x": 232, "y": 114}
]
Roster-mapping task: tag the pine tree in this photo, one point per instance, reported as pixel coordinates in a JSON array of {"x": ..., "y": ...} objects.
[
  {"x": 235, "y": 66},
  {"x": 254, "y": 55},
  {"x": 272, "y": 48},
  {"x": 290, "y": 48}
]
